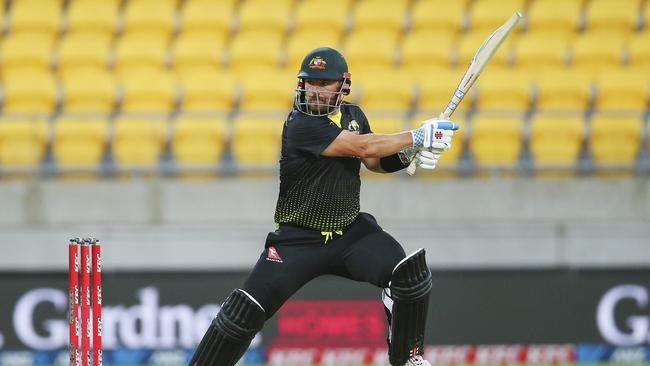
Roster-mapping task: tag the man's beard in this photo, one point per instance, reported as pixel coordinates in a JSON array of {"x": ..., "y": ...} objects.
[{"x": 321, "y": 105}]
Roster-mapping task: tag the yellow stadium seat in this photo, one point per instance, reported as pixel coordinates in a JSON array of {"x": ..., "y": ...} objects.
[
  {"x": 198, "y": 50},
  {"x": 370, "y": 49},
  {"x": 95, "y": 16},
  {"x": 385, "y": 89},
  {"x": 595, "y": 52},
  {"x": 555, "y": 140},
  {"x": 26, "y": 50},
  {"x": 426, "y": 49},
  {"x": 620, "y": 150},
  {"x": 81, "y": 49},
  {"x": 138, "y": 142},
  {"x": 557, "y": 15},
  {"x": 22, "y": 143},
  {"x": 88, "y": 90},
  {"x": 231, "y": 3},
  {"x": 309, "y": 16},
  {"x": 563, "y": 89},
  {"x": 29, "y": 91},
  {"x": 148, "y": 90},
  {"x": 639, "y": 48},
  {"x": 255, "y": 50},
  {"x": 385, "y": 15},
  {"x": 268, "y": 16},
  {"x": 623, "y": 89},
  {"x": 257, "y": 140},
  {"x": 442, "y": 16},
  {"x": 386, "y": 125},
  {"x": 528, "y": 54},
  {"x": 35, "y": 16},
  {"x": 496, "y": 139},
  {"x": 213, "y": 17},
  {"x": 472, "y": 41},
  {"x": 79, "y": 142},
  {"x": 150, "y": 16},
  {"x": 207, "y": 89},
  {"x": 141, "y": 50},
  {"x": 620, "y": 15},
  {"x": 436, "y": 88},
  {"x": 198, "y": 141},
  {"x": 112, "y": 2},
  {"x": 488, "y": 15},
  {"x": 450, "y": 157},
  {"x": 301, "y": 42},
  {"x": 268, "y": 91},
  {"x": 504, "y": 89}
]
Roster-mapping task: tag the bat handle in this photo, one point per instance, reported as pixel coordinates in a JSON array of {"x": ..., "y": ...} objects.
[
  {"x": 441, "y": 125},
  {"x": 411, "y": 168}
]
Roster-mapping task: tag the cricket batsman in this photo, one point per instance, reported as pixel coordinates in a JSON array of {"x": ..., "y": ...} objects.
[{"x": 320, "y": 229}]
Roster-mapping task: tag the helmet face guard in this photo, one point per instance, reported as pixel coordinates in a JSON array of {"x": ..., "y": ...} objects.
[{"x": 310, "y": 102}]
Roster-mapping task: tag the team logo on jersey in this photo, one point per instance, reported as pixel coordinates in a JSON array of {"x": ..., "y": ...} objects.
[
  {"x": 353, "y": 126},
  {"x": 317, "y": 63},
  {"x": 273, "y": 255}
]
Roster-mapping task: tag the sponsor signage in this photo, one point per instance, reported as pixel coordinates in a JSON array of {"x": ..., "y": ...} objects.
[
  {"x": 623, "y": 315},
  {"x": 330, "y": 332},
  {"x": 475, "y": 317}
]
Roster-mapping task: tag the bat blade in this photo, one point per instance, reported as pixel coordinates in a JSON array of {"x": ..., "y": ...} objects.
[{"x": 479, "y": 61}]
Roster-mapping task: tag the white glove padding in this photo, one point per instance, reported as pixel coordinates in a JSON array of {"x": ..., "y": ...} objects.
[
  {"x": 427, "y": 159},
  {"x": 430, "y": 137}
]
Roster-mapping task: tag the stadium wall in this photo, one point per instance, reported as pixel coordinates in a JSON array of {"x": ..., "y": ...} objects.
[{"x": 160, "y": 224}]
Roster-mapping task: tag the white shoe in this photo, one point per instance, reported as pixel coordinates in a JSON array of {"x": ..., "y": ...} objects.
[{"x": 417, "y": 361}]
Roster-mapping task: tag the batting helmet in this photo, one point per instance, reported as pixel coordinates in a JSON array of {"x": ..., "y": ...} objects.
[{"x": 323, "y": 63}]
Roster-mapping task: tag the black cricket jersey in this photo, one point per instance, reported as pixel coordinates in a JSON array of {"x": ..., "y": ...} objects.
[{"x": 317, "y": 192}]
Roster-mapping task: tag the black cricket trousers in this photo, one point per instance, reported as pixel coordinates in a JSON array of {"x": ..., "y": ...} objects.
[{"x": 294, "y": 256}]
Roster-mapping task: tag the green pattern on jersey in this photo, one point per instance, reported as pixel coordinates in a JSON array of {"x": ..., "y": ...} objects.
[{"x": 320, "y": 204}]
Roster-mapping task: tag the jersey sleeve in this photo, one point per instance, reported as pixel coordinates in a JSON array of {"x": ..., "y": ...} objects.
[{"x": 311, "y": 135}]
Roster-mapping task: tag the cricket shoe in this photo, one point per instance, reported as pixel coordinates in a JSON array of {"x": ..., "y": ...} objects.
[{"x": 417, "y": 361}]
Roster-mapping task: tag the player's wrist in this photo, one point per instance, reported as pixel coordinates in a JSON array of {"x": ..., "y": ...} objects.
[{"x": 392, "y": 163}]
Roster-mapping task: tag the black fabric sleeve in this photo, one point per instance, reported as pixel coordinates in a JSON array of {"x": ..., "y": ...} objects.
[
  {"x": 311, "y": 134},
  {"x": 391, "y": 163}
]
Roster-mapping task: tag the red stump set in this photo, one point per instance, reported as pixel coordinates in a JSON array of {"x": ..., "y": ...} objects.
[{"x": 85, "y": 266}]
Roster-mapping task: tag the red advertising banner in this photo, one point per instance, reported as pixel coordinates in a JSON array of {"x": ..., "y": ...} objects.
[
  {"x": 331, "y": 323},
  {"x": 501, "y": 354},
  {"x": 329, "y": 332}
]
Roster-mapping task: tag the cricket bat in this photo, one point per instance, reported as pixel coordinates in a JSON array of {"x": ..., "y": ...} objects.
[{"x": 480, "y": 59}]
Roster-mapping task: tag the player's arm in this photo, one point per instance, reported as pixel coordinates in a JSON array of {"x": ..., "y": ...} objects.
[
  {"x": 373, "y": 164},
  {"x": 369, "y": 145},
  {"x": 390, "y": 153}
]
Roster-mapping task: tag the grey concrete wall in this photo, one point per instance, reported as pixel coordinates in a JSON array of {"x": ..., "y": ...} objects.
[{"x": 159, "y": 223}]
